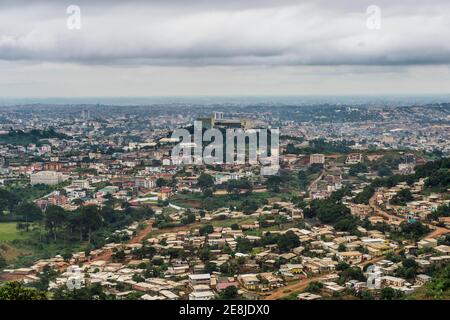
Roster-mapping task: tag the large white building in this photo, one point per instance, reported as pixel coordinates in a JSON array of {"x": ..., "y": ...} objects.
[{"x": 47, "y": 177}]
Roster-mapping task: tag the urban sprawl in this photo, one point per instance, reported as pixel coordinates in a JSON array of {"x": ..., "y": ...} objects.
[{"x": 92, "y": 205}]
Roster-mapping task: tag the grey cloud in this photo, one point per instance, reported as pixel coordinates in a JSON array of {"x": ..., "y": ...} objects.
[{"x": 204, "y": 33}]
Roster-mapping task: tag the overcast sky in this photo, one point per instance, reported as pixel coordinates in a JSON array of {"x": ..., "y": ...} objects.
[{"x": 218, "y": 47}]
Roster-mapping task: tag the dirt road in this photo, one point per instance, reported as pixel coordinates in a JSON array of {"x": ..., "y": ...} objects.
[
  {"x": 138, "y": 238},
  {"x": 303, "y": 284},
  {"x": 287, "y": 290},
  {"x": 143, "y": 233},
  {"x": 438, "y": 232}
]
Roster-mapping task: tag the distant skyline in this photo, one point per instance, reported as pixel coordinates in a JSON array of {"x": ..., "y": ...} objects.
[{"x": 223, "y": 48}]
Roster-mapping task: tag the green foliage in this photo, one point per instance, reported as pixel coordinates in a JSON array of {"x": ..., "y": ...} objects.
[
  {"x": 229, "y": 293},
  {"x": 439, "y": 286},
  {"x": 205, "y": 181},
  {"x": 29, "y": 211},
  {"x": 236, "y": 186},
  {"x": 439, "y": 180},
  {"x": 408, "y": 270},
  {"x": 357, "y": 168},
  {"x": 351, "y": 273},
  {"x": 243, "y": 245},
  {"x": 47, "y": 275},
  {"x": 18, "y": 137},
  {"x": 17, "y": 291},
  {"x": 273, "y": 183},
  {"x": 366, "y": 295},
  {"x": 413, "y": 230},
  {"x": 390, "y": 294},
  {"x": 384, "y": 171},
  {"x": 314, "y": 287},
  {"x": 206, "y": 229},
  {"x": 332, "y": 211},
  {"x": 2, "y": 262},
  {"x": 160, "y": 182},
  {"x": 287, "y": 241},
  {"x": 321, "y": 146},
  {"x": 442, "y": 211},
  {"x": 439, "y": 169},
  {"x": 402, "y": 197},
  {"x": 119, "y": 256},
  {"x": 210, "y": 267},
  {"x": 234, "y": 226},
  {"x": 188, "y": 219}
]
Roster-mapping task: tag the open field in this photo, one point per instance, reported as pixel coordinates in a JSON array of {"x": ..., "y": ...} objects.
[{"x": 9, "y": 232}]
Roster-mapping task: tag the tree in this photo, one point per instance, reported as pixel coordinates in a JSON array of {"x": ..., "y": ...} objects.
[
  {"x": 235, "y": 186},
  {"x": 160, "y": 182},
  {"x": 189, "y": 218},
  {"x": 366, "y": 295},
  {"x": 384, "y": 171},
  {"x": 273, "y": 183},
  {"x": 208, "y": 193},
  {"x": 30, "y": 211},
  {"x": 205, "y": 181},
  {"x": 91, "y": 219},
  {"x": 17, "y": 291},
  {"x": 119, "y": 256},
  {"x": 413, "y": 230},
  {"x": 206, "y": 229},
  {"x": 439, "y": 179},
  {"x": 47, "y": 275},
  {"x": 341, "y": 266},
  {"x": 243, "y": 245},
  {"x": 402, "y": 197},
  {"x": 54, "y": 218},
  {"x": 314, "y": 287},
  {"x": 229, "y": 293},
  {"x": 357, "y": 168},
  {"x": 66, "y": 255},
  {"x": 408, "y": 269},
  {"x": 210, "y": 267},
  {"x": 2, "y": 262},
  {"x": 390, "y": 294},
  {"x": 234, "y": 226},
  {"x": 287, "y": 241},
  {"x": 204, "y": 254}
]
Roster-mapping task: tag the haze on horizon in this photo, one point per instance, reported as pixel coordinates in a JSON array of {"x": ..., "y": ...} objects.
[{"x": 223, "y": 48}]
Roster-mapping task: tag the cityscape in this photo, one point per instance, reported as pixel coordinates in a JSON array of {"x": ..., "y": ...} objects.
[
  {"x": 94, "y": 205},
  {"x": 202, "y": 152}
]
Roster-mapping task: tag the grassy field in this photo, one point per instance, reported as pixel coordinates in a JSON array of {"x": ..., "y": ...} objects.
[{"x": 9, "y": 232}]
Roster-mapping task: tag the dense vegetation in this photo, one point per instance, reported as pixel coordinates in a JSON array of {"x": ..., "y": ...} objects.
[
  {"x": 18, "y": 137},
  {"x": 437, "y": 174},
  {"x": 332, "y": 211},
  {"x": 321, "y": 146}
]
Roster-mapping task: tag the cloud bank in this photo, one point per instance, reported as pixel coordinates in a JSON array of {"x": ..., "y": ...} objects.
[{"x": 219, "y": 33}]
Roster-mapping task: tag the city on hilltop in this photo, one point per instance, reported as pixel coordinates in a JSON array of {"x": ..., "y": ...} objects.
[
  {"x": 94, "y": 205},
  {"x": 225, "y": 158}
]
